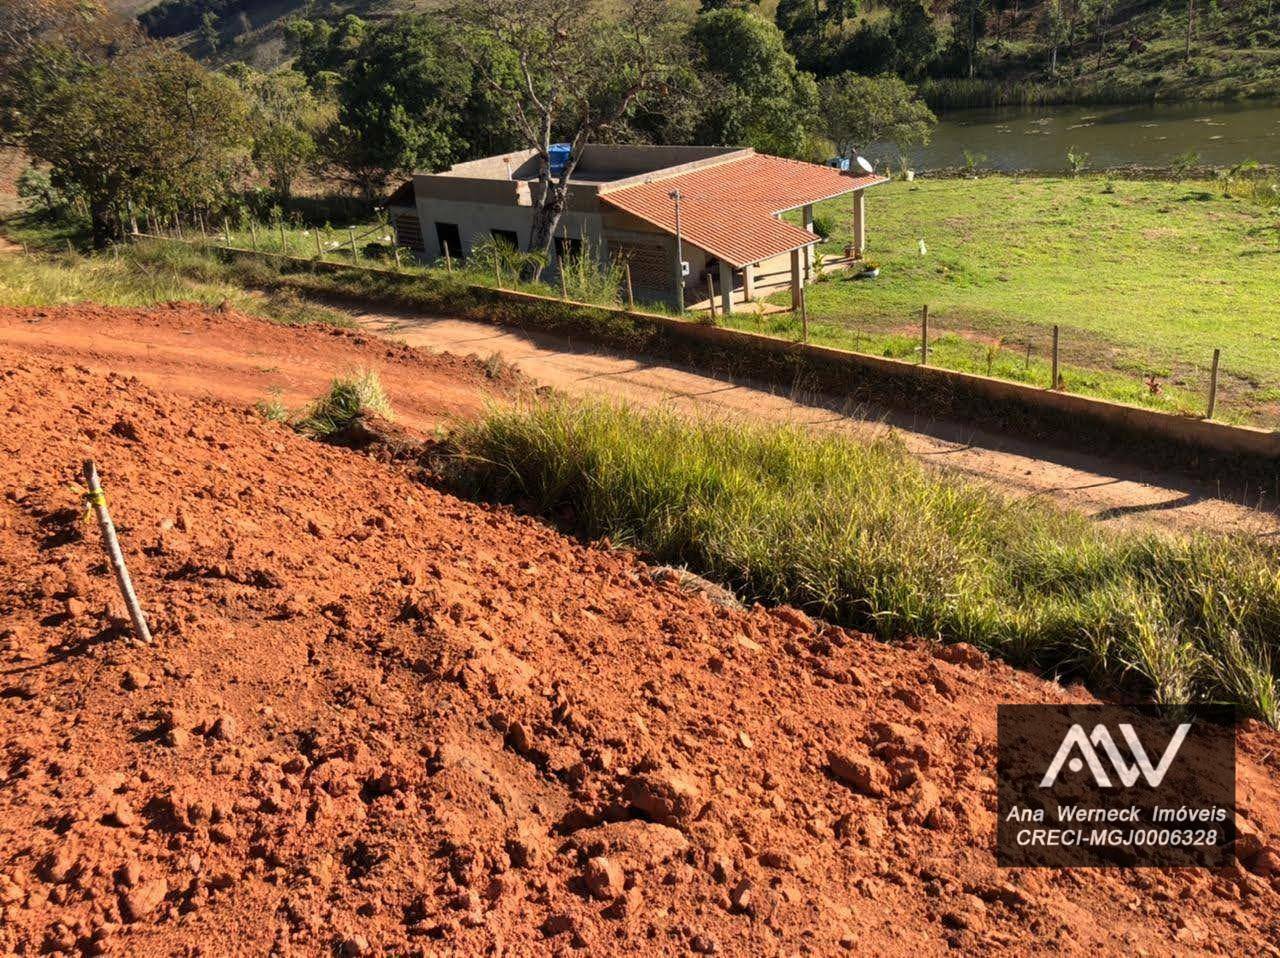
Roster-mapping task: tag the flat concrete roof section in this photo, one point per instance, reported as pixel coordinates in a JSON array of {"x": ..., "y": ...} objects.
[{"x": 600, "y": 163}]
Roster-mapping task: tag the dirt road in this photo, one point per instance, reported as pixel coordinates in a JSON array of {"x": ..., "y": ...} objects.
[
  {"x": 199, "y": 352},
  {"x": 1110, "y": 491}
]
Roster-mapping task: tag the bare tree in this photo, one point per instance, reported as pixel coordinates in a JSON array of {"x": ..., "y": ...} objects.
[{"x": 570, "y": 71}]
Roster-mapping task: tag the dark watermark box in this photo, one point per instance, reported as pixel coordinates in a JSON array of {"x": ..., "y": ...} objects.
[{"x": 1115, "y": 786}]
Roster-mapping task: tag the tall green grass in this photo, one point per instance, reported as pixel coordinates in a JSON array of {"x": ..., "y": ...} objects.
[
  {"x": 959, "y": 93},
  {"x": 860, "y": 533},
  {"x": 350, "y": 398},
  {"x": 152, "y": 272}
]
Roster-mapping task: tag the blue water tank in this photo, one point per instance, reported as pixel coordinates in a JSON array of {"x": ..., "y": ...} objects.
[{"x": 559, "y": 157}]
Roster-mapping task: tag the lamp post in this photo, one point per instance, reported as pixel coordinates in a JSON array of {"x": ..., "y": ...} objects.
[{"x": 675, "y": 195}]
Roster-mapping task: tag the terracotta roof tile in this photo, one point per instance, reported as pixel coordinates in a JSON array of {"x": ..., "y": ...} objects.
[{"x": 728, "y": 209}]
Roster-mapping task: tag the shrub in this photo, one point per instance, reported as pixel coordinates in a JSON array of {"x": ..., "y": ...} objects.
[
  {"x": 36, "y": 184},
  {"x": 1077, "y": 161}
]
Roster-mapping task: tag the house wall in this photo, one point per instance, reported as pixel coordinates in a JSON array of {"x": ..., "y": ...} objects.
[
  {"x": 773, "y": 272},
  {"x": 475, "y": 220}
]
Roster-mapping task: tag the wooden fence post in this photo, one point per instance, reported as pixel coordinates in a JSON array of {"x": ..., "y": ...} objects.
[
  {"x": 448, "y": 260},
  {"x": 631, "y": 299},
  {"x": 226, "y": 230},
  {"x": 924, "y": 335},
  {"x": 355, "y": 255},
  {"x": 804, "y": 314},
  {"x": 253, "y": 235},
  {"x": 319, "y": 248},
  {"x": 395, "y": 249},
  {"x": 564, "y": 287},
  {"x": 711, "y": 297},
  {"x": 1213, "y": 384},
  {"x": 1054, "y": 383},
  {"x": 282, "y": 246}
]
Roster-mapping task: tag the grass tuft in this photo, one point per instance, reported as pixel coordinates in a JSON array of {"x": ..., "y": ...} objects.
[
  {"x": 349, "y": 399},
  {"x": 273, "y": 408}
]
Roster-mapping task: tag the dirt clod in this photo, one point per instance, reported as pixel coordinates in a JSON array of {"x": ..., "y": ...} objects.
[{"x": 603, "y": 878}]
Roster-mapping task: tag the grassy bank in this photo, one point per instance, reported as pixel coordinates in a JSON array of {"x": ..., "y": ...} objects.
[
  {"x": 151, "y": 273},
  {"x": 1143, "y": 277},
  {"x": 863, "y": 535}
]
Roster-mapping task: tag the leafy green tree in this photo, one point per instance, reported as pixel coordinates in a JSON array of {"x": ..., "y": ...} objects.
[
  {"x": 285, "y": 118},
  {"x": 36, "y": 184},
  {"x": 209, "y": 31},
  {"x": 400, "y": 99},
  {"x": 914, "y": 35},
  {"x": 969, "y": 27},
  {"x": 407, "y": 95},
  {"x": 42, "y": 43},
  {"x": 574, "y": 70},
  {"x": 756, "y": 96},
  {"x": 322, "y": 49},
  {"x": 150, "y": 126},
  {"x": 814, "y": 29},
  {"x": 1057, "y": 24},
  {"x": 859, "y": 111}
]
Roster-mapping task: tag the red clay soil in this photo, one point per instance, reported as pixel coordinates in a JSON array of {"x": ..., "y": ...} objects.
[
  {"x": 210, "y": 352},
  {"x": 377, "y": 719}
]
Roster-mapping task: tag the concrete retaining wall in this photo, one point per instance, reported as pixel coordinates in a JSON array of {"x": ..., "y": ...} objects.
[{"x": 1079, "y": 421}]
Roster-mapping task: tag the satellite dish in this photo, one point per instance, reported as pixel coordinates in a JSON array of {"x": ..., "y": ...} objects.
[{"x": 863, "y": 162}]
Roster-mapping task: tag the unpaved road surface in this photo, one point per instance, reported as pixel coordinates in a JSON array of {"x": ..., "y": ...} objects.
[
  {"x": 203, "y": 352},
  {"x": 378, "y": 720},
  {"x": 1105, "y": 489}
]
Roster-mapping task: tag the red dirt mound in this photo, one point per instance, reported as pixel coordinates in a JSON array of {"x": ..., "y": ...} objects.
[
  {"x": 201, "y": 352},
  {"x": 377, "y": 719}
]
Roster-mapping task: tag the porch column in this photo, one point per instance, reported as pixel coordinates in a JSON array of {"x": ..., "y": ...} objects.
[
  {"x": 807, "y": 219},
  {"x": 797, "y": 279},
  {"x": 859, "y": 223},
  {"x": 749, "y": 282},
  {"x": 726, "y": 288}
]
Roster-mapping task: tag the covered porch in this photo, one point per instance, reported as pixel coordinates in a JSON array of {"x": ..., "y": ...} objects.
[
  {"x": 726, "y": 288},
  {"x": 728, "y": 241}
]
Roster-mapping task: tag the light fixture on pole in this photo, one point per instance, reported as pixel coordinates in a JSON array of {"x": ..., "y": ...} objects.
[{"x": 675, "y": 195}]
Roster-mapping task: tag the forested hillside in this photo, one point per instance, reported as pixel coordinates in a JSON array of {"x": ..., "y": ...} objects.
[{"x": 963, "y": 52}]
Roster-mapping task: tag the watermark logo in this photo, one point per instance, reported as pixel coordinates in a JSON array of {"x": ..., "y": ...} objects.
[
  {"x": 1076, "y": 740},
  {"x": 1112, "y": 786}
]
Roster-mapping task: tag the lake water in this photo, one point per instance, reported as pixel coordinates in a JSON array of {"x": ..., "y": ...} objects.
[{"x": 1038, "y": 138}]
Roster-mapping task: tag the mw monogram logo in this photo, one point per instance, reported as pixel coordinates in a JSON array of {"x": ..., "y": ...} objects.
[{"x": 1100, "y": 738}]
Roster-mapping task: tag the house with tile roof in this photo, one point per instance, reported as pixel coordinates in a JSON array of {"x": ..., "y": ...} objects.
[{"x": 701, "y": 218}]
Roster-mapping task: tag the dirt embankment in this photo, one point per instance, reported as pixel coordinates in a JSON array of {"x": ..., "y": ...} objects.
[
  {"x": 381, "y": 720},
  {"x": 208, "y": 352}
]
